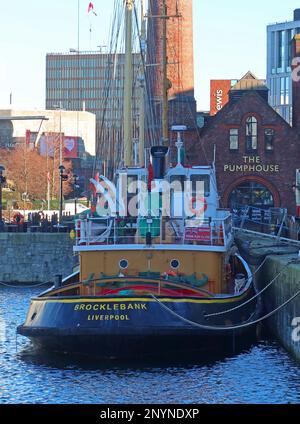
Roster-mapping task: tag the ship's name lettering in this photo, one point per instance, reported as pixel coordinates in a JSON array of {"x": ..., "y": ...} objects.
[
  {"x": 108, "y": 318},
  {"x": 110, "y": 307}
]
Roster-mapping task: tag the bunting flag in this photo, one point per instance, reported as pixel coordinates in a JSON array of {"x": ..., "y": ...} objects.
[{"x": 91, "y": 9}]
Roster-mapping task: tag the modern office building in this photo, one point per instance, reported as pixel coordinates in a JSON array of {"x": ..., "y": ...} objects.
[
  {"x": 94, "y": 82},
  {"x": 30, "y": 126},
  {"x": 279, "y": 58}
]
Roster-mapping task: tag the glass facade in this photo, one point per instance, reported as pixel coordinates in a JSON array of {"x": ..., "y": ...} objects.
[
  {"x": 94, "y": 82},
  {"x": 279, "y": 58}
]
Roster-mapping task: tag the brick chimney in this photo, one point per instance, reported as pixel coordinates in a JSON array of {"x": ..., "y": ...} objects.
[{"x": 296, "y": 81}]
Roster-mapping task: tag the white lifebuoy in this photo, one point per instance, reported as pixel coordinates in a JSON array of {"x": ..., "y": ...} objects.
[{"x": 202, "y": 210}]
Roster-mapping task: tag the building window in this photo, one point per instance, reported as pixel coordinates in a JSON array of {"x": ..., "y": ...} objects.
[
  {"x": 251, "y": 134},
  {"x": 291, "y": 116},
  {"x": 251, "y": 193},
  {"x": 282, "y": 91},
  {"x": 287, "y": 90},
  {"x": 281, "y": 51},
  {"x": 269, "y": 139},
  {"x": 234, "y": 139}
]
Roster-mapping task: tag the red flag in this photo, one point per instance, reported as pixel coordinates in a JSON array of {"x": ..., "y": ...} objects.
[
  {"x": 28, "y": 137},
  {"x": 150, "y": 176},
  {"x": 91, "y": 9}
]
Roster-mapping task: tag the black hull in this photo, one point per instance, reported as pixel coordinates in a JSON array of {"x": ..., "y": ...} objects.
[
  {"x": 136, "y": 327},
  {"x": 172, "y": 346}
]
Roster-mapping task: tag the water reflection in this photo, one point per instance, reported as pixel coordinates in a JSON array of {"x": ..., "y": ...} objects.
[{"x": 259, "y": 373}]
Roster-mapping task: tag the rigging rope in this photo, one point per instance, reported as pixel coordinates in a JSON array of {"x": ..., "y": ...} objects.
[
  {"x": 228, "y": 328},
  {"x": 25, "y": 286},
  {"x": 257, "y": 294}
]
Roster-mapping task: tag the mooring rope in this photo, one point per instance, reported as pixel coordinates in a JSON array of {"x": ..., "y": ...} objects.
[
  {"x": 227, "y": 328},
  {"x": 25, "y": 286},
  {"x": 257, "y": 294}
]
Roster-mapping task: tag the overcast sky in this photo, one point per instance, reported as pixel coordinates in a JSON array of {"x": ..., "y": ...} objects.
[{"x": 230, "y": 39}]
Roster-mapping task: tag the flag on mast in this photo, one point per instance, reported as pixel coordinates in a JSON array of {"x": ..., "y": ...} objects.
[{"x": 91, "y": 9}]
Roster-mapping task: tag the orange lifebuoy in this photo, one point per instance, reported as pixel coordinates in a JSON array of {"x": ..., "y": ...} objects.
[
  {"x": 203, "y": 209},
  {"x": 21, "y": 221}
]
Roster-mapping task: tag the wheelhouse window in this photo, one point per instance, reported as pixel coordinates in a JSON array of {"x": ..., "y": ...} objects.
[
  {"x": 269, "y": 139},
  {"x": 251, "y": 134},
  {"x": 234, "y": 138},
  {"x": 201, "y": 182}
]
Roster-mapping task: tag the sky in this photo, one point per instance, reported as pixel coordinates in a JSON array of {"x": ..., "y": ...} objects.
[{"x": 229, "y": 40}]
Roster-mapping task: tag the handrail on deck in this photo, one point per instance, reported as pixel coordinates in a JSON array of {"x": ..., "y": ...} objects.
[{"x": 107, "y": 231}]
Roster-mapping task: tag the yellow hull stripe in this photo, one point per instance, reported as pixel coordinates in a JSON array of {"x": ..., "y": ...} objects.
[{"x": 140, "y": 299}]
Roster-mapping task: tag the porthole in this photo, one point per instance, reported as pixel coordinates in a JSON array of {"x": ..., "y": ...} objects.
[
  {"x": 123, "y": 264},
  {"x": 175, "y": 264}
]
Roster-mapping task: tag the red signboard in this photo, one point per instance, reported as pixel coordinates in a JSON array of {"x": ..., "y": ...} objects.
[
  {"x": 219, "y": 95},
  {"x": 50, "y": 143},
  {"x": 70, "y": 150},
  {"x": 202, "y": 234}
]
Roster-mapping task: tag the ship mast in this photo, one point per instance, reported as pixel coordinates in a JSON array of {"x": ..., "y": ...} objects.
[
  {"x": 165, "y": 107},
  {"x": 142, "y": 92},
  {"x": 128, "y": 156}
]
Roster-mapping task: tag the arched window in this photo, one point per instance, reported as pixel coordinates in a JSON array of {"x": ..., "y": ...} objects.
[
  {"x": 251, "y": 193},
  {"x": 251, "y": 134}
]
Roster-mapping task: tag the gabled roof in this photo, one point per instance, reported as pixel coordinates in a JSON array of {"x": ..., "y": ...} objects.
[
  {"x": 250, "y": 82},
  {"x": 218, "y": 118}
]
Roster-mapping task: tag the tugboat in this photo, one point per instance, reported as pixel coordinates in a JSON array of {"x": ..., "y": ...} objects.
[{"x": 159, "y": 272}]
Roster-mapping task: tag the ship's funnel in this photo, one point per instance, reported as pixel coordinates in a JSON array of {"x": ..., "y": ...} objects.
[{"x": 159, "y": 154}]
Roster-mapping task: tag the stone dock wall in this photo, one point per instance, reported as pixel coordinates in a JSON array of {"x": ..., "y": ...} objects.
[
  {"x": 285, "y": 324},
  {"x": 279, "y": 254},
  {"x": 35, "y": 257}
]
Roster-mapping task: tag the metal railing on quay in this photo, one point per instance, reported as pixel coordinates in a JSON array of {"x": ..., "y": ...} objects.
[{"x": 271, "y": 222}]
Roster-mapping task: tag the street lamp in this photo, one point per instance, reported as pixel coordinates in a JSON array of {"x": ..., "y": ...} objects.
[
  {"x": 2, "y": 181},
  {"x": 62, "y": 177},
  {"x": 75, "y": 188},
  {"x": 59, "y": 107}
]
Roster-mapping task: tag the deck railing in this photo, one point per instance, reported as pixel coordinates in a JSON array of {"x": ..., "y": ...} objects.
[{"x": 143, "y": 231}]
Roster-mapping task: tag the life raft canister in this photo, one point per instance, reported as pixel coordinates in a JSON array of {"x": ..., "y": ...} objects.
[{"x": 203, "y": 208}]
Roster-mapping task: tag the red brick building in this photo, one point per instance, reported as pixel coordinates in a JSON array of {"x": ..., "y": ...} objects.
[
  {"x": 256, "y": 152},
  {"x": 180, "y": 57}
]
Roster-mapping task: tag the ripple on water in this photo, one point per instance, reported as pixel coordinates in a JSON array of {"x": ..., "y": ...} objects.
[{"x": 262, "y": 374}]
